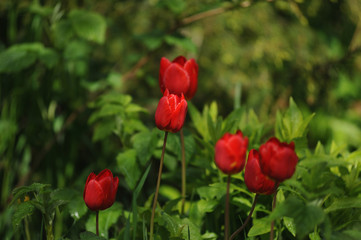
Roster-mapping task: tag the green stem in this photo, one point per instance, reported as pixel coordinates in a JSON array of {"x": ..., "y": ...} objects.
[
  {"x": 97, "y": 222},
  {"x": 183, "y": 171},
  {"x": 27, "y": 232},
  {"x": 157, "y": 188},
  {"x": 273, "y": 207},
  {"x": 226, "y": 214},
  {"x": 247, "y": 219},
  {"x": 49, "y": 231}
]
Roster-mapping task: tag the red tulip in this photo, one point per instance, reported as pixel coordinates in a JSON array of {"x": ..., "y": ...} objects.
[
  {"x": 278, "y": 160},
  {"x": 230, "y": 152},
  {"x": 100, "y": 190},
  {"x": 255, "y": 180},
  {"x": 171, "y": 112},
  {"x": 179, "y": 76}
]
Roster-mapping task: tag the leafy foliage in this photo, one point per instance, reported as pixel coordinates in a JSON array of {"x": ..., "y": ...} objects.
[{"x": 79, "y": 88}]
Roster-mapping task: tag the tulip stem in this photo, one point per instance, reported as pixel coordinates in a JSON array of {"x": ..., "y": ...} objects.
[
  {"x": 226, "y": 214},
  {"x": 247, "y": 219},
  {"x": 157, "y": 188},
  {"x": 273, "y": 207},
  {"x": 183, "y": 171},
  {"x": 97, "y": 222}
]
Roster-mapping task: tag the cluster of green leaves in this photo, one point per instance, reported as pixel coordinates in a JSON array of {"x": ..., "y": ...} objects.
[{"x": 78, "y": 79}]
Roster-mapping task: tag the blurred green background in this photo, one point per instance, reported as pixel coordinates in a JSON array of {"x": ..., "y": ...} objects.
[{"x": 61, "y": 62}]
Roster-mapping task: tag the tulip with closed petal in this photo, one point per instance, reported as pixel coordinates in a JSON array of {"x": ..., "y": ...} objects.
[
  {"x": 230, "y": 152},
  {"x": 171, "y": 112},
  {"x": 179, "y": 76},
  {"x": 278, "y": 160},
  {"x": 100, "y": 190},
  {"x": 255, "y": 180}
]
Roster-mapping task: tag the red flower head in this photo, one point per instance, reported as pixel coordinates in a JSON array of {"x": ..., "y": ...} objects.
[
  {"x": 171, "y": 112},
  {"x": 179, "y": 76},
  {"x": 278, "y": 160},
  {"x": 100, "y": 190},
  {"x": 230, "y": 152},
  {"x": 255, "y": 180}
]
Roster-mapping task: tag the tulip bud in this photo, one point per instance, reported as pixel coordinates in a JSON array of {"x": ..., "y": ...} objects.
[
  {"x": 230, "y": 152},
  {"x": 179, "y": 76},
  {"x": 171, "y": 112},
  {"x": 100, "y": 190},
  {"x": 278, "y": 160},
  {"x": 255, "y": 180}
]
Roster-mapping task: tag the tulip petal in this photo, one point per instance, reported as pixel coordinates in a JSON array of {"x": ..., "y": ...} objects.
[
  {"x": 278, "y": 160},
  {"x": 191, "y": 67},
  {"x": 164, "y": 64},
  {"x": 180, "y": 60},
  {"x": 178, "y": 116},
  {"x": 255, "y": 180},
  {"x": 176, "y": 79},
  {"x": 163, "y": 113},
  {"x": 94, "y": 195}
]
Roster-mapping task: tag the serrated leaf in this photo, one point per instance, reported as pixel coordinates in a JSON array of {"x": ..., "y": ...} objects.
[
  {"x": 88, "y": 25},
  {"x": 22, "y": 210},
  {"x": 26, "y": 190}
]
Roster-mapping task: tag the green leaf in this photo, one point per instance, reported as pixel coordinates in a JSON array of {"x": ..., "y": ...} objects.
[
  {"x": 23, "y": 210},
  {"x": 344, "y": 203},
  {"x": 76, "y": 205},
  {"x": 20, "y": 192},
  {"x": 353, "y": 234},
  {"x": 176, "y": 6},
  {"x": 21, "y": 56},
  {"x": 90, "y": 236},
  {"x": 260, "y": 226},
  {"x": 199, "y": 209},
  {"x": 292, "y": 125},
  {"x": 88, "y": 25},
  {"x": 134, "y": 202},
  {"x": 107, "y": 219},
  {"x": 314, "y": 236},
  {"x": 230, "y": 124},
  {"x": 179, "y": 227},
  {"x": 182, "y": 42},
  {"x": 305, "y": 216},
  {"x": 198, "y": 122},
  {"x": 145, "y": 144},
  {"x": 213, "y": 191},
  {"x": 63, "y": 32},
  {"x": 127, "y": 163},
  {"x": 290, "y": 225},
  {"x": 103, "y": 130}
]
